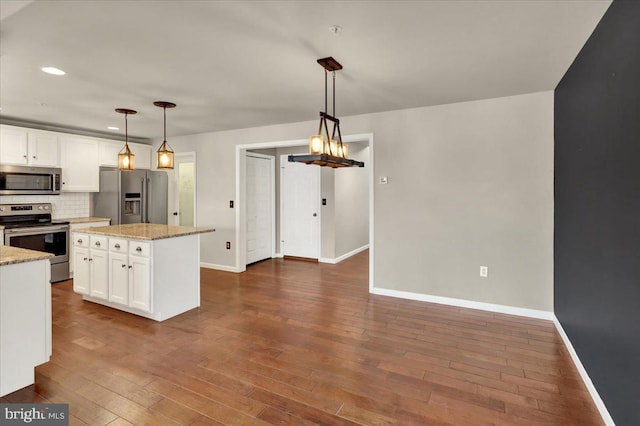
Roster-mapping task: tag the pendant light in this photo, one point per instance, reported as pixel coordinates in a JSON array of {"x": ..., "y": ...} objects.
[
  {"x": 324, "y": 149},
  {"x": 126, "y": 158},
  {"x": 165, "y": 153}
]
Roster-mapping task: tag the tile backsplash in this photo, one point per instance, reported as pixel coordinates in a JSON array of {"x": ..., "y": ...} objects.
[{"x": 66, "y": 205}]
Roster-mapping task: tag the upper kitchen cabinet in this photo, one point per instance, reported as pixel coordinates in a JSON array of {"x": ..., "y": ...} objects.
[
  {"x": 29, "y": 147},
  {"x": 109, "y": 154},
  {"x": 79, "y": 159}
]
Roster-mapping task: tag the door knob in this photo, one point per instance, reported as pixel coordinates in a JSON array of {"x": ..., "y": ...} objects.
[{"x": 175, "y": 213}]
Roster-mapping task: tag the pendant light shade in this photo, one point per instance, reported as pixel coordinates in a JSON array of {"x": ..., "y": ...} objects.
[
  {"x": 328, "y": 149},
  {"x": 126, "y": 158},
  {"x": 165, "y": 153}
]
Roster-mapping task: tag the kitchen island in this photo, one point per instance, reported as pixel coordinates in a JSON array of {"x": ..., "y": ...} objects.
[
  {"x": 145, "y": 269},
  {"x": 25, "y": 315}
]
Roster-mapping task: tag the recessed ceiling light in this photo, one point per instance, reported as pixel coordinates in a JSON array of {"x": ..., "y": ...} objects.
[
  {"x": 113, "y": 128},
  {"x": 53, "y": 70}
]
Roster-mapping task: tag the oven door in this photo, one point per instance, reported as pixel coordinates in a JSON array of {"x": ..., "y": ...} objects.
[{"x": 51, "y": 239}]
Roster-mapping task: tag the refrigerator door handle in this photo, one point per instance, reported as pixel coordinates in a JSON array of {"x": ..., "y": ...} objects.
[
  {"x": 147, "y": 195},
  {"x": 143, "y": 201}
]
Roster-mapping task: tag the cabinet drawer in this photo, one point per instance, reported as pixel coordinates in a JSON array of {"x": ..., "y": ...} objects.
[
  {"x": 118, "y": 245},
  {"x": 139, "y": 248},
  {"x": 99, "y": 242},
  {"x": 80, "y": 240}
]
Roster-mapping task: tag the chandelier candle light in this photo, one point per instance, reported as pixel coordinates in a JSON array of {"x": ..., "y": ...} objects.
[
  {"x": 165, "y": 153},
  {"x": 324, "y": 149},
  {"x": 126, "y": 158}
]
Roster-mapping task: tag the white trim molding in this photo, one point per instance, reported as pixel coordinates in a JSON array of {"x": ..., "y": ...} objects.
[
  {"x": 606, "y": 417},
  {"x": 225, "y": 268},
  {"x": 344, "y": 256},
  {"x": 503, "y": 309}
]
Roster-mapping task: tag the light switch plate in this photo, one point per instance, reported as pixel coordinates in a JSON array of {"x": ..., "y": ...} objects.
[{"x": 383, "y": 180}]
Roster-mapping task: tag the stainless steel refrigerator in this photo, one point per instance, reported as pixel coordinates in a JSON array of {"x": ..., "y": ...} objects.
[{"x": 137, "y": 196}]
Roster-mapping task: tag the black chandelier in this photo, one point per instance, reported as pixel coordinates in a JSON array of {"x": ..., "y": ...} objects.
[{"x": 328, "y": 149}]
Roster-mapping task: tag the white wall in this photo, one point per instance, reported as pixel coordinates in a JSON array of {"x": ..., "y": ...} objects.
[
  {"x": 470, "y": 184},
  {"x": 352, "y": 203}
]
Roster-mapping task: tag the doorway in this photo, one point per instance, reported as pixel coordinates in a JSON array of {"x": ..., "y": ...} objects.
[
  {"x": 183, "y": 183},
  {"x": 300, "y": 205},
  {"x": 260, "y": 203}
]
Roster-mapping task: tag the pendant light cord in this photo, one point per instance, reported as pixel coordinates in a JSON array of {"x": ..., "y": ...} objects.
[{"x": 165, "y": 122}]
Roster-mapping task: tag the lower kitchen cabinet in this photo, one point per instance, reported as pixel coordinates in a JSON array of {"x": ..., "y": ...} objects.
[
  {"x": 119, "y": 278},
  {"x": 156, "y": 279}
]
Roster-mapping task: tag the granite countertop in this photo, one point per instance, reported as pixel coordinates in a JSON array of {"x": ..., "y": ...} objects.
[
  {"x": 73, "y": 220},
  {"x": 145, "y": 231},
  {"x": 10, "y": 255}
]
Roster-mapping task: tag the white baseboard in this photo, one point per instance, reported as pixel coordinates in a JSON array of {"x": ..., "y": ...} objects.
[
  {"x": 608, "y": 420},
  {"x": 226, "y": 268},
  {"x": 344, "y": 256},
  {"x": 503, "y": 309},
  {"x": 278, "y": 255}
]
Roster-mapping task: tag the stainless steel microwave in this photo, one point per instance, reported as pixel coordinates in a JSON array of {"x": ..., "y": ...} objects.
[{"x": 25, "y": 180}]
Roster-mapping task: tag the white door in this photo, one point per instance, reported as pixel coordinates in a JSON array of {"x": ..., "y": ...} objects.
[
  {"x": 183, "y": 192},
  {"x": 260, "y": 204},
  {"x": 300, "y": 209}
]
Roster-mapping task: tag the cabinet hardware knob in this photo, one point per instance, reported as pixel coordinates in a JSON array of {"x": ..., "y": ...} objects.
[
  {"x": 98, "y": 243},
  {"x": 34, "y": 157},
  {"x": 130, "y": 266},
  {"x": 90, "y": 259},
  {"x": 139, "y": 249},
  {"x": 117, "y": 246},
  {"x": 315, "y": 214},
  {"x": 80, "y": 241},
  {"x": 123, "y": 265},
  {"x": 24, "y": 156},
  {"x": 85, "y": 258}
]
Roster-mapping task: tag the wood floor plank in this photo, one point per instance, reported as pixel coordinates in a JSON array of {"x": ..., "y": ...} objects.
[{"x": 290, "y": 342}]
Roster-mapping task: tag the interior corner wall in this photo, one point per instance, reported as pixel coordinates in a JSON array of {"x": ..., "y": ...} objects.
[
  {"x": 352, "y": 203},
  {"x": 597, "y": 208},
  {"x": 470, "y": 184}
]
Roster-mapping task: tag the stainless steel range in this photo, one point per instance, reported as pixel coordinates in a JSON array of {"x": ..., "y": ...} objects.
[{"x": 30, "y": 226}]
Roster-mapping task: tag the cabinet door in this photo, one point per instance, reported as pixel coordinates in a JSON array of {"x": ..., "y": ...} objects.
[
  {"x": 79, "y": 162},
  {"x": 109, "y": 153},
  {"x": 44, "y": 149},
  {"x": 13, "y": 145},
  {"x": 81, "y": 268},
  {"x": 140, "y": 283},
  {"x": 99, "y": 274},
  {"x": 118, "y": 278}
]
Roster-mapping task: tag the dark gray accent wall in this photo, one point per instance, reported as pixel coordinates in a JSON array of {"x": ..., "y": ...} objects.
[{"x": 597, "y": 208}]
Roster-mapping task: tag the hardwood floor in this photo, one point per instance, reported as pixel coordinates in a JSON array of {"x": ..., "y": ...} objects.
[{"x": 292, "y": 342}]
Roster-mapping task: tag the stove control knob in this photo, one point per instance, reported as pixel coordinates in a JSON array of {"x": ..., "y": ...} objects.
[
  {"x": 39, "y": 207},
  {"x": 1, "y": 209},
  {"x": 46, "y": 207}
]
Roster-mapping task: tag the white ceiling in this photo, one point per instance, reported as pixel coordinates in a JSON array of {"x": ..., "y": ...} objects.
[{"x": 237, "y": 64}]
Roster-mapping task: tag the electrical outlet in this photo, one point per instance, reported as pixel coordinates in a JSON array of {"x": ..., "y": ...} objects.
[
  {"x": 228, "y": 245},
  {"x": 484, "y": 271}
]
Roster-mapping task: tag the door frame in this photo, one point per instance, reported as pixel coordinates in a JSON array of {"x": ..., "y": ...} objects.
[
  {"x": 272, "y": 164},
  {"x": 319, "y": 209},
  {"x": 174, "y": 206},
  {"x": 241, "y": 224}
]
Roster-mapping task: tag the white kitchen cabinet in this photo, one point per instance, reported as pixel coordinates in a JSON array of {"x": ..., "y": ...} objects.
[
  {"x": 119, "y": 269},
  {"x": 90, "y": 265},
  {"x": 98, "y": 267},
  {"x": 140, "y": 283},
  {"x": 109, "y": 154},
  {"x": 81, "y": 225},
  {"x": 113, "y": 269},
  {"x": 81, "y": 269},
  {"x": 25, "y": 147},
  {"x": 79, "y": 159},
  {"x": 13, "y": 145},
  {"x": 43, "y": 149}
]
